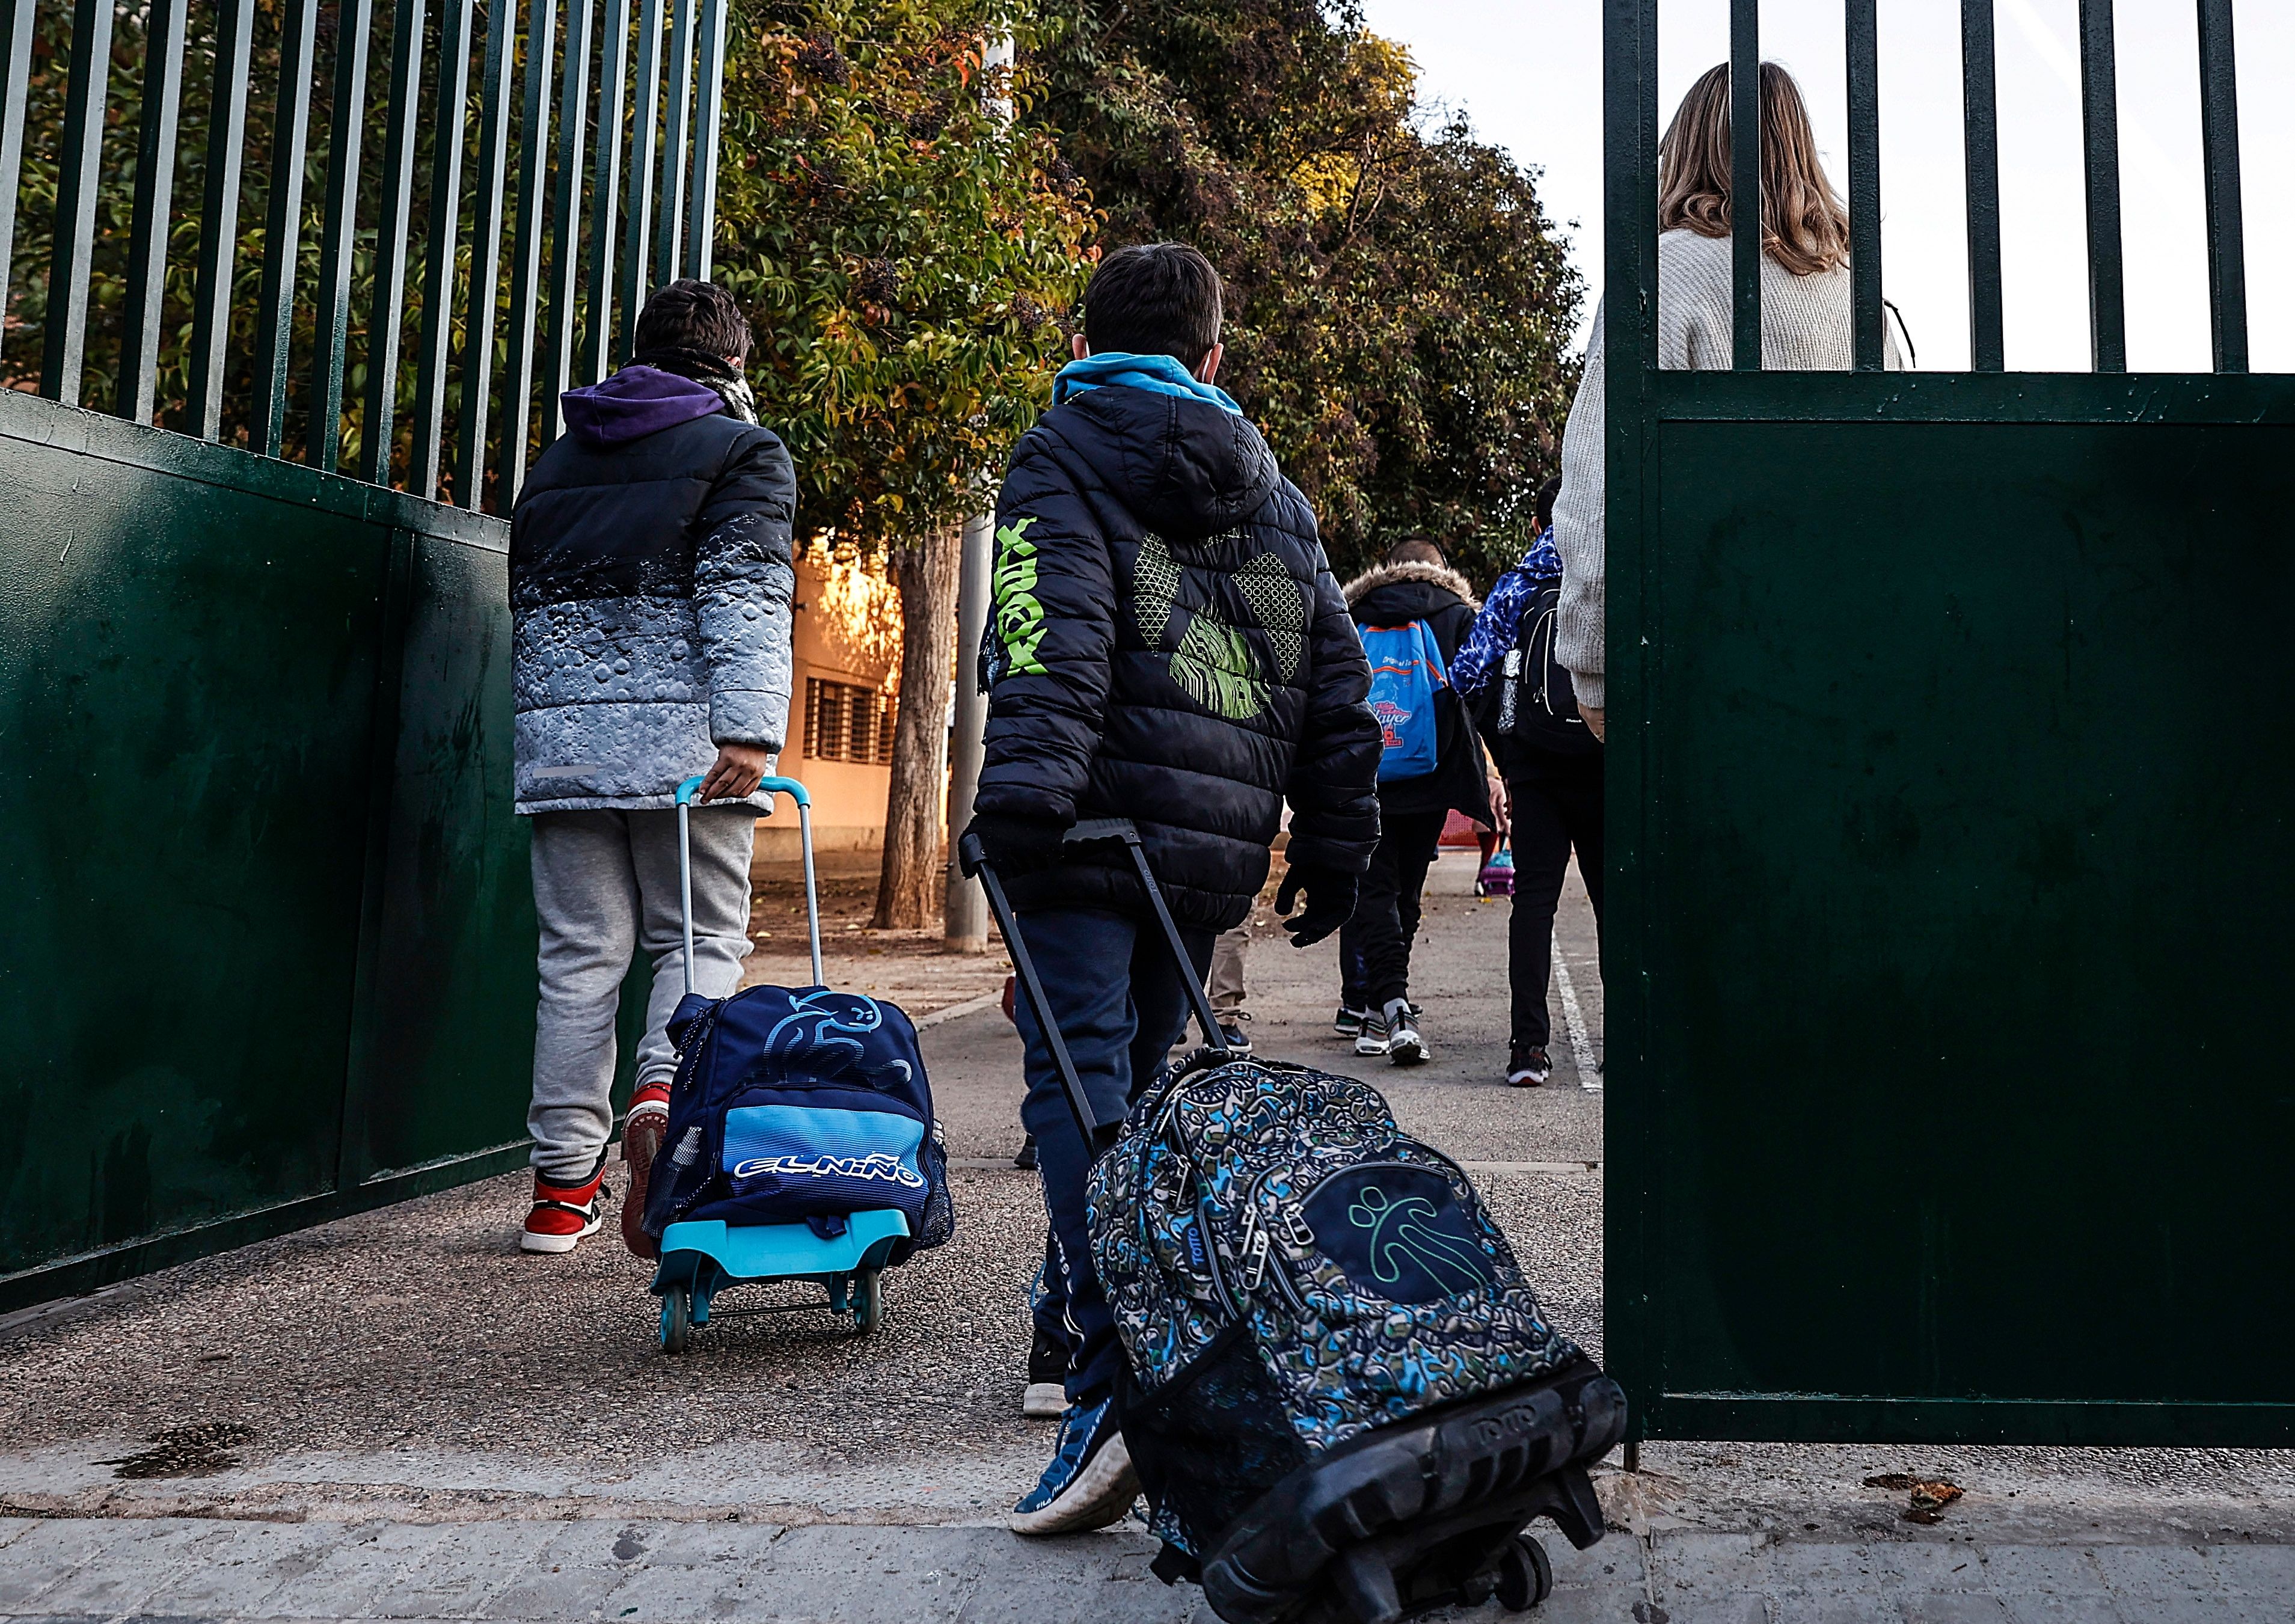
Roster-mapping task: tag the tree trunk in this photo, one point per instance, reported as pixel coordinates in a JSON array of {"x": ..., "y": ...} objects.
[{"x": 911, "y": 885}]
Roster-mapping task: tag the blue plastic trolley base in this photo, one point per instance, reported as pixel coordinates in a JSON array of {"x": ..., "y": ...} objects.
[{"x": 701, "y": 1258}]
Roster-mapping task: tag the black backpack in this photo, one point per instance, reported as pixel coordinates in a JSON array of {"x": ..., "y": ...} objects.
[{"x": 1532, "y": 702}]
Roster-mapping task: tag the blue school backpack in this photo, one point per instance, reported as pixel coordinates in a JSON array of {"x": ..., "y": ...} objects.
[
  {"x": 1406, "y": 677},
  {"x": 799, "y": 1104},
  {"x": 1290, "y": 1271}
]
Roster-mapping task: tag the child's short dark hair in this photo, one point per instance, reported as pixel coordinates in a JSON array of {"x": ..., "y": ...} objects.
[
  {"x": 1154, "y": 299},
  {"x": 1546, "y": 492},
  {"x": 699, "y": 316}
]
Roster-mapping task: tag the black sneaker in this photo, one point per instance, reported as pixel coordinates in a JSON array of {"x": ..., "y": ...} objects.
[
  {"x": 1528, "y": 1066},
  {"x": 1348, "y": 1023},
  {"x": 1025, "y": 1159},
  {"x": 1231, "y": 1032}
]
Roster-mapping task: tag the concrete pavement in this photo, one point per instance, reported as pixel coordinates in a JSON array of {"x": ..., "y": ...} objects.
[{"x": 399, "y": 1415}]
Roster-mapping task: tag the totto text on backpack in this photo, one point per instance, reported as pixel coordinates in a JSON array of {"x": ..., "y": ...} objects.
[
  {"x": 1535, "y": 704},
  {"x": 1344, "y": 1401},
  {"x": 1406, "y": 682}
]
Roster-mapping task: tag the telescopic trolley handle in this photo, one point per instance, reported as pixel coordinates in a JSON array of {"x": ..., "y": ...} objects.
[
  {"x": 1091, "y": 831},
  {"x": 796, "y": 792}
]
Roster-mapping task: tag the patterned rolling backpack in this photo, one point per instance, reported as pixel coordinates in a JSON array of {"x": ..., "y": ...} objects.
[{"x": 1344, "y": 1403}]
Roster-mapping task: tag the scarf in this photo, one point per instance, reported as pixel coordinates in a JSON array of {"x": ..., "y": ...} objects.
[{"x": 712, "y": 373}]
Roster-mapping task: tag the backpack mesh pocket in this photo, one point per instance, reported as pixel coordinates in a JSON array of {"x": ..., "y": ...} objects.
[{"x": 1212, "y": 1440}]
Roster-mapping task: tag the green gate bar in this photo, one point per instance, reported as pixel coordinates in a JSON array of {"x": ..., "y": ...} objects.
[
  {"x": 1951, "y": 856},
  {"x": 271, "y": 945}
]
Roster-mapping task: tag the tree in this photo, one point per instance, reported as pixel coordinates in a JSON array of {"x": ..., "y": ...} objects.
[
  {"x": 1400, "y": 313},
  {"x": 904, "y": 253}
]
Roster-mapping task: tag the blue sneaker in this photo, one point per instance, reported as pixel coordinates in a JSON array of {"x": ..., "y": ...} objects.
[{"x": 1089, "y": 1483}]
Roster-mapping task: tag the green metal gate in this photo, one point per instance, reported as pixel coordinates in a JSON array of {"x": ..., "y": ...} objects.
[
  {"x": 1950, "y": 1097},
  {"x": 266, "y": 940}
]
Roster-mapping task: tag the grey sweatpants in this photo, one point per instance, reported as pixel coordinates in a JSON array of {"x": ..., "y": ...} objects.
[{"x": 605, "y": 889}]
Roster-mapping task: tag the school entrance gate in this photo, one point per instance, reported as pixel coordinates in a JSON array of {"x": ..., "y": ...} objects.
[
  {"x": 1950, "y": 1094},
  {"x": 266, "y": 939}
]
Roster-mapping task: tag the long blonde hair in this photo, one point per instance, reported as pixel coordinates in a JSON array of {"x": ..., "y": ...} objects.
[{"x": 1804, "y": 224}]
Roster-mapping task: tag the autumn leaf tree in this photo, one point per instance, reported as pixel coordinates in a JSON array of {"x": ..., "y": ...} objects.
[
  {"x": 905, "y": 252},
  {"x": 1400, "y": 313}
]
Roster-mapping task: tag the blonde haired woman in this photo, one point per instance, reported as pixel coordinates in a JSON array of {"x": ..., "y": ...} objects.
[{"x": 1805, "y": 315}]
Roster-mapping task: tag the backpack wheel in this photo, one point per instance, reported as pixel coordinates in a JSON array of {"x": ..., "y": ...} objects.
[
  {"x": 1525, "y": 1576},
  {"x": 676, "y": 1321},
  {"x": 868, "y": 1301}
]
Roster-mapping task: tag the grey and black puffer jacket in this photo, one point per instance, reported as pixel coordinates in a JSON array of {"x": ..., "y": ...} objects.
[
  {"x": 1169, "y": 645},
  {"x": 649, "y": 583}
]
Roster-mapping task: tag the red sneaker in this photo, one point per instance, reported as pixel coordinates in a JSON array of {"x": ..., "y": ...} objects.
[
  {"x": 563, "y": 1214},
  {"x": 641, "y": 1135}
]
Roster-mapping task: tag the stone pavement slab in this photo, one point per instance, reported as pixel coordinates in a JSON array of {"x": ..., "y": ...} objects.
[{"x": 142, "y": 1570}]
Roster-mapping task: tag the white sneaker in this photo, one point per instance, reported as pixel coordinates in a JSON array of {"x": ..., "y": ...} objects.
[
  {"x": 1404, "y": 1046},
  {"x": 1372, "y": 1038},
  {"x": 1044, "y": 1401}
]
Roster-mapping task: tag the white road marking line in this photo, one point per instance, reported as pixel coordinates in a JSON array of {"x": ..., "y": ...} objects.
[
  {"x": 1573, "y": 1018},
  {"x": 969, "y": 1006}
]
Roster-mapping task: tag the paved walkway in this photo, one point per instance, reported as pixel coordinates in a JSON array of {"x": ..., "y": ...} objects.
[{"x": 401, "y": 1417}]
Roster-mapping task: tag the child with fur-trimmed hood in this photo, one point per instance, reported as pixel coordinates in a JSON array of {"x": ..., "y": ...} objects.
[{"x": 1416, "y": 584}]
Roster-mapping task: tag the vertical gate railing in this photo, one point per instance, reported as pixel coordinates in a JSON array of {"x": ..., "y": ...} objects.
[
  {"x": 595, "y": 183},
  {"x": 1632, "y": 200}
]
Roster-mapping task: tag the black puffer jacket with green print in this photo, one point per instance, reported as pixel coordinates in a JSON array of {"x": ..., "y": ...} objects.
[{"x": 1169, "y": 645}]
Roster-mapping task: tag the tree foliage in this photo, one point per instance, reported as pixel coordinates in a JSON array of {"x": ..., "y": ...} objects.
[
  {"x": 904, "y": 253},
  {"x": 1400, "y": 313}
]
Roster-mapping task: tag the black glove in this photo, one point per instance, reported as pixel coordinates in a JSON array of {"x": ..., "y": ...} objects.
[
  {"x": 1330, "y": 898},
  {"x": 1017, "y": 846}
]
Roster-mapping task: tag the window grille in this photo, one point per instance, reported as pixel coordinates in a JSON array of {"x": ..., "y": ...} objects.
[{"x": 846, "y": 722}]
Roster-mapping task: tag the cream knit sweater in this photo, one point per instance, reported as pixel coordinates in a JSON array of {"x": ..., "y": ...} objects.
[{"x": 1805, "y": 327}]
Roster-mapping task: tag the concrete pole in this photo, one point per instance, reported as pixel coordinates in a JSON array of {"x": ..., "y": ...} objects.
[{"x": 967, "y": 908}]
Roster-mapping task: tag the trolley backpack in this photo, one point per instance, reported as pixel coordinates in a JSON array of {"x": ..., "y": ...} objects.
[
  {"x": 1345, "y": 1401},
  {"x": 1535, "y": 702},
  {"x": 796, "y": 1104},
  {"x": 1407, "y": 679}
]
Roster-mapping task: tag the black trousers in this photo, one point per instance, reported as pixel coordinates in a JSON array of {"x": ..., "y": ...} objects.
[
  {"x": 1374, "y": 945},
  {"x": 1554, "y": 807}
]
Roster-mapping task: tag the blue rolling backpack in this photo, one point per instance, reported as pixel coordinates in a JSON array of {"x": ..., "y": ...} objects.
[{"x": 801, "y": 1142}]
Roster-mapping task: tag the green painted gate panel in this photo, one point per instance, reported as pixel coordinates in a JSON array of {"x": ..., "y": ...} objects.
[
  {"x": 269, "y": 952},
  {"x": 1950, "y": 1096},
  {"x": 452, "y": 886}
]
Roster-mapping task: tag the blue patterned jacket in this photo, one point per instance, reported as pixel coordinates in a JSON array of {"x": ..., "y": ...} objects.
[{"x": 1494, "y": 629}]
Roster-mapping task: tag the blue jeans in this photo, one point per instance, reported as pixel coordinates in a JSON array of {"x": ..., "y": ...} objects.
[{"x": 1121, "y": 1006}]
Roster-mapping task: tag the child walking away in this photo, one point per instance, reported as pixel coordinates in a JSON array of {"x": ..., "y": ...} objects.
[
  {"x": 650, "y": 579},
  {"x": 1168, "y": 645},
  {"x": 1414, "y": 611},
  {"x": 1552, "y": 764}
]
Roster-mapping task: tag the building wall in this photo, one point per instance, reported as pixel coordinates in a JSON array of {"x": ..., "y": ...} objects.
[{"x": 847, "y": 631}]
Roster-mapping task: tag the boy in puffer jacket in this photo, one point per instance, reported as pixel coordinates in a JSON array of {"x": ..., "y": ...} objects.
[
  {"x": 650, "y": 582},
  {"x": 1168, "y": 645}
]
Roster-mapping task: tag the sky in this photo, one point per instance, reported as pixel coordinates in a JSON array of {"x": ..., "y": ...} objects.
[{"x": 1528, "y": 75}]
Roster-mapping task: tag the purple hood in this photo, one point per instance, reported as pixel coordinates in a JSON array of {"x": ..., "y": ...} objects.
[{"x": 633, "y": 403}]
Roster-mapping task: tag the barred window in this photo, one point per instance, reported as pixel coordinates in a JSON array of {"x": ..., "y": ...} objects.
[{"x": 846, "y": 722}]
